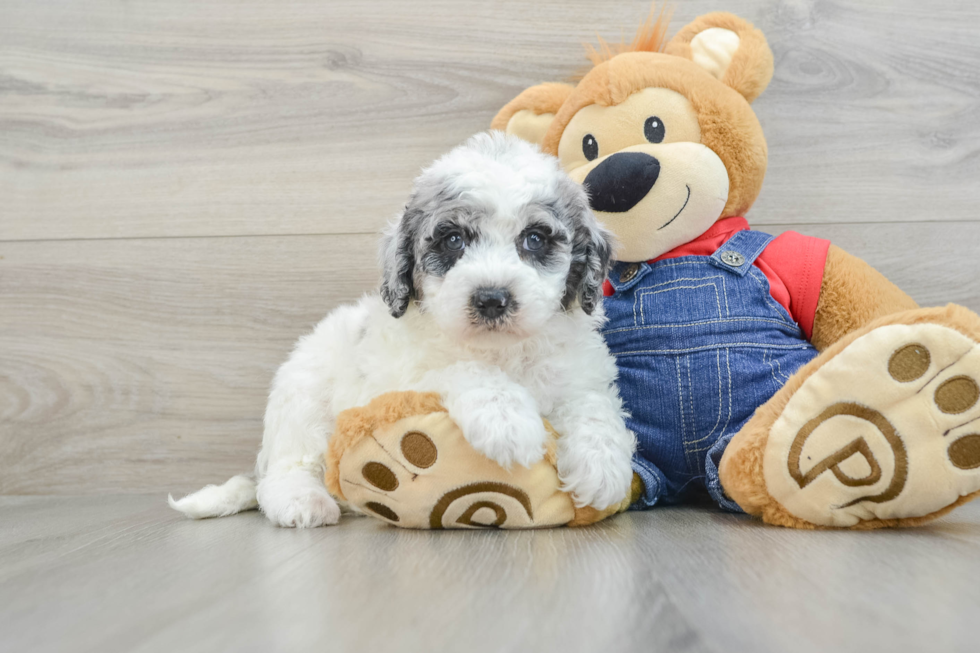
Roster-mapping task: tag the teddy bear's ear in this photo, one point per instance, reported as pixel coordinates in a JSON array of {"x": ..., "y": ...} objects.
[
  {"x": 729, "y": 48},
  {"x": 529, "y": 115}
]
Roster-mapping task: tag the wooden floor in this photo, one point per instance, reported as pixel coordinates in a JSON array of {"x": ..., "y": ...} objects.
[
  {"x": 125, "y": 573},
  {"x": 187, "y": 186}
]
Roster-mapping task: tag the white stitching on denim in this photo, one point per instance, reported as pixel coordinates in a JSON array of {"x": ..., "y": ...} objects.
[
  {"x": 718, "y": 419},
  {"x": 792, "y": 327},
  {"x": 665, "y": 264},
  {"x": 764, "y": 285},
  {"x": 763, "y": 244},
  {"x": 772, "y": 370},
  {"x": 641, "y": 295},
  {"x": 728, "y": 421},
  {"x": 636, "y": 298},
  {"x": 778, "y": 309},
  {"x": 776, "y": 368},
  {"x": 721, "y": 345},
  {"x": 748, "y": 237},
  {"x": 779, "y": 370},
  {"x": 781, "y": 312},
  {"x": 724, "y": 292},
  {"x": 680, "y": 396},
  {"x": 694, "y": 430},
  {"x": 670, "y": 281},
  {"x": 728, "y": 365},
  {"x": 638, "y": 292}
]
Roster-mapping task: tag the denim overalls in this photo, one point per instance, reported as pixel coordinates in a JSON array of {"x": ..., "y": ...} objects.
[{"x": 700, "y": 343}]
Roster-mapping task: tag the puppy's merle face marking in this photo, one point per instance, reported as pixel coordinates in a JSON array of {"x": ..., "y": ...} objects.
[
  {"x": 446, "y": 245},
  {"x": 496, "y": 214},
  {"x": 544, "y": 242}
]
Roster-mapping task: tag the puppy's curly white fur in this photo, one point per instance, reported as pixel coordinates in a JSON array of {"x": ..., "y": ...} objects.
[{"x": 491, "y": 296}]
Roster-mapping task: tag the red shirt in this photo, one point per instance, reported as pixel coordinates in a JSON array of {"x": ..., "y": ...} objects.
[{"x": 793, "y": 264}]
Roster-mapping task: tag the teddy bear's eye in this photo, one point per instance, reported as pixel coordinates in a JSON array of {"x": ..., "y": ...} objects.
[
  {"x": 653, "y": 129},
  {"x": 590, "y": 147}
]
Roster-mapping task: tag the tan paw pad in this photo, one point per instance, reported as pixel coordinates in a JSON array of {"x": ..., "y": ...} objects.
[
  {"x": 884, "y": 430},
  {"x": 419, "y": 472}
]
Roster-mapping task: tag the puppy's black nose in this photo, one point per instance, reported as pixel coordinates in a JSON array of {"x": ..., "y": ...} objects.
[
  {"x": 491, "y": 303},
  {"x": 621, "y": 181}
]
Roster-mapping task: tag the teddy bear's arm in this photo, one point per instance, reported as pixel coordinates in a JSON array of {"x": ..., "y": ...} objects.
[{"x": 852, "y": 294}]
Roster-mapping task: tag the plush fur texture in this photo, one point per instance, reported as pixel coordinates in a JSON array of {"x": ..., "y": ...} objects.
[
  {"x": 750, "y": 71},
  {"x": 852, "y": 295},
  {"x": 387, "y": 417},
  {"x": 651, "y": 36},
  {"x": 356, "y": 423},
  {"x": 741, "y": 467},
  {"x": 728, "y": 126},
  {"x": 707, "y": 75},
  {"x": 541, "y": 100},
  {"x": 234, "y": 495},
  {"x": 471, "y": 224}
]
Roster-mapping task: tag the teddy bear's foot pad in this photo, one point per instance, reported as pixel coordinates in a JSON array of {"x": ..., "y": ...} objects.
[
  {"x": 887, "y": 429},
  {"x": 419, "y": 472}
]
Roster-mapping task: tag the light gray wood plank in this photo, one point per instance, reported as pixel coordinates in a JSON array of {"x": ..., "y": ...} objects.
[
  {"x": 127, "y": 574},
  {"x": 117, "y": 355},
  {"x": 143, "y": 365},
  {"x": 122, "y": 119}
]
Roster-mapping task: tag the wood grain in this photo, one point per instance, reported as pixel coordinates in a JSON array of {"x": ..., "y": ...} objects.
[
  {"x": 224, "y": 117},
  {"x": 128, "y": 574},
  {"x": 142, "y": 365},
  {"x": 187, "y": 187},
  {"x": 123, "y": 362}
]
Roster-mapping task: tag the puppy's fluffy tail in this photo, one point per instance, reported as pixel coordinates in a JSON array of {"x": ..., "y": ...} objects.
[{"x": 237, "y": 494}]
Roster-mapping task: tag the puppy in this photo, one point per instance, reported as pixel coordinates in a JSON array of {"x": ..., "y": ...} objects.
[{"x": 491, "y": 296}]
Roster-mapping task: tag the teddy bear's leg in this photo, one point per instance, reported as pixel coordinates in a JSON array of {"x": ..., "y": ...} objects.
[{"x": 882, "y": 429}]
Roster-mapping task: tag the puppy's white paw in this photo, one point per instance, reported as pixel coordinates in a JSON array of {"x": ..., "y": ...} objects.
[
  {"x": 297, "y": 499},
  {"x": 502, "y": 424},
  {"x": 595, "y": 477}
]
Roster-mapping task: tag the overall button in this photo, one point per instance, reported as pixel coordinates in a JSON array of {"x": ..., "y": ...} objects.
[
  {"x": 731, "y": 258},
  {"x": 629, "y": 273}
]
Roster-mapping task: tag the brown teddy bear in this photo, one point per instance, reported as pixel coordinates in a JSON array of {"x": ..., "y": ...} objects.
[{"x": 783, "y": 375}]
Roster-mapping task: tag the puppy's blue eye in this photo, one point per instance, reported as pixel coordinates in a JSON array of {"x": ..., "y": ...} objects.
[
  {"x": 534, "y": 242},
  {"x": 455, "y": 242}
]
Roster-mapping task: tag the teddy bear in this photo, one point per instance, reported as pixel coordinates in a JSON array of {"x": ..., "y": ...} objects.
[
  {"x": 402, "y": 449},
  {"x": 781, "y": 375}
]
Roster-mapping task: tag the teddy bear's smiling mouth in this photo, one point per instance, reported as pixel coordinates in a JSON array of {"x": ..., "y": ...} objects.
[{"x": 688, "y": 199}]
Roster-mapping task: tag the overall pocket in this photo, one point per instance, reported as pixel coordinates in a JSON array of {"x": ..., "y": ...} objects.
[{"x": 681, "y": 301}]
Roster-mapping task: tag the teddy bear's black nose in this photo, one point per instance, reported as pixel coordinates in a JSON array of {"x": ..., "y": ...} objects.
[{"x": 621, "y": 181}]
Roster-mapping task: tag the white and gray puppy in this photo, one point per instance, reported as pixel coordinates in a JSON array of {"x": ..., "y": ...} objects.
[{"x": 491, "y": 295}]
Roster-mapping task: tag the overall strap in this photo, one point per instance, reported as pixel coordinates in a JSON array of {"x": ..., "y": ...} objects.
[{"x": 739, "y": 252}]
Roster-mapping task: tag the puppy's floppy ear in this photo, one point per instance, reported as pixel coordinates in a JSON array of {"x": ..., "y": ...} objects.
[
  {"x": 729, "y": 48},
  {"x": 398, "y": 262},
  {"x": 529, "y": 115},
  {"x": 592, "y": 246}
]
